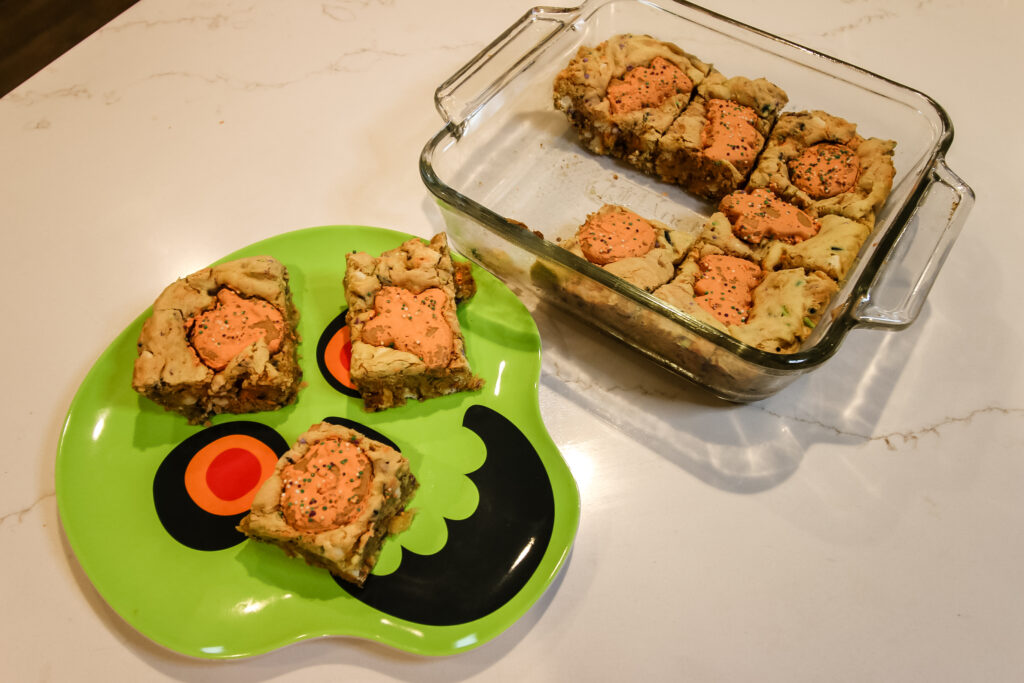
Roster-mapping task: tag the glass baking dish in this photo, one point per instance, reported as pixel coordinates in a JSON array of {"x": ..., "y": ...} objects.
[{"x": 511, "y": 179}]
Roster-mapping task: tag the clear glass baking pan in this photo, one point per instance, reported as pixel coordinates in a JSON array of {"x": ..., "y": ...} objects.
[{"x": 511, "y": 179}]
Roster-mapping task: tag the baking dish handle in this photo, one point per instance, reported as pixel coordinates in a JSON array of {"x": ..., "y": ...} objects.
[
  {"x": 513, "y": 51},
  {"x": 897, "y": 293}
]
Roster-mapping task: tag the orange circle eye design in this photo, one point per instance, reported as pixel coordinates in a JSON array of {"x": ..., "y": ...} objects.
[
  {"x": 334, "y": 356},
  {"x": 223, "y": 477},
  {"x": 207, "y": 483},
  {"x": 339, "y": 357}
]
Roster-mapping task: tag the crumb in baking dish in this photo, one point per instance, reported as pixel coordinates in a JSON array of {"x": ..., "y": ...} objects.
[
  {"x": 333, "y": 499},
  {"x": 221, "y": 340},
  {"x": 406, "y": 338}
]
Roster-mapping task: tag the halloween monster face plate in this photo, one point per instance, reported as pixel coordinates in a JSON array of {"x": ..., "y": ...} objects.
[{"x": 149, "y": 503}]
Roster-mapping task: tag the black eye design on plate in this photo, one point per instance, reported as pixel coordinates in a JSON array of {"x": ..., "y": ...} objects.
[
  {"x": 491, "y": 554},
  {"x": 206, "y": 484},
  {"x": 334, "y": 356}
]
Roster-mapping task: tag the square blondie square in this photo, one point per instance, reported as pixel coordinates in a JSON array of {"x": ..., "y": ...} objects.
[
  {"x": 221, "y": 340},
  {"x": 333, "y": 499},
  {"x": 820, "y": 163},
  {"x": 624, "y": 93},
  {"x": 710, "y": 149},
  {"x": 642, "y": 251},
  {"x": 406, "y": 339},
  {"x": 715, "y": 253}
]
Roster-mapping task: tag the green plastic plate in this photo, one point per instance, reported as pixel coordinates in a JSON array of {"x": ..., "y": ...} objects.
[{"x": 497, "y": 508}]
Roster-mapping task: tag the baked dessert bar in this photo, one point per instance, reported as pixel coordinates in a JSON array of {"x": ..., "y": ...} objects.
[
  {"x": 623, "y": 94},
  {"x": 406, "y": 338},
  {"x": 221, "y": 340},
  {"x": 715, "y": 281},
  {"x": 642, "y": 251},
  {"x": 818, "y": 162},
  {"x": 332, "y": 499},
  {"x": 713, "y": 145}
]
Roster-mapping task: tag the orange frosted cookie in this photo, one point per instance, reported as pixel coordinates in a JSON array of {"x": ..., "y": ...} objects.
[
  {"x": 333, "y": 499},
  {"x": 725, "y": 287},
  {"x": 406, "y": 338},
  {"x": 221, "y": 340},
  {"x": 759, "y": 215}
]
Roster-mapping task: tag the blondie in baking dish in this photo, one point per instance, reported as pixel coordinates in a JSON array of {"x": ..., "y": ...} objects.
[
  {"x": 812, "y": 163},
  {"x": 508, "y": 157}
]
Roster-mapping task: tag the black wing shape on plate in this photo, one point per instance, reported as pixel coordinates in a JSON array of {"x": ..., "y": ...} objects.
[{"x": 491, "y": 554}]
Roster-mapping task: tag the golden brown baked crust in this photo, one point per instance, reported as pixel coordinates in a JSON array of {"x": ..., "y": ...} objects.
[
  {"x": 169, "y": 371},
  {"x": 581, "y": 91},
  {"x": 794, "y": 134},
  {"x": 350, "y": 549},
  {"x": 387, "y": 376}
]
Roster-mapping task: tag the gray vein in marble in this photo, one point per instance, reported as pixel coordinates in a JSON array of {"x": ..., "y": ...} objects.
[
  {"x": 32, "y": 97},
  {"x": 863, "y": 21},
  {"x": 212, "y": 22},
  {"x": 343, "y": 64},
  {"x": 344, "y": 12},
  {"x": 337, "y": 66},
  {"x": 20, "y": 514},
  {"x": 908, "y": 437}
]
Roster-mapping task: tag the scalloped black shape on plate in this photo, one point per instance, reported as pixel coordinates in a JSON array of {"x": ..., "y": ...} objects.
[{"x": 491, "y": 554}]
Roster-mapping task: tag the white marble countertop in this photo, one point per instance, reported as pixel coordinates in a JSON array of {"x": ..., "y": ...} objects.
[{"x": 890, "y": 545}]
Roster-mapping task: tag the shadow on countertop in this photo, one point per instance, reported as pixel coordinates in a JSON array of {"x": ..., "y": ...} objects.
[{"x": 734, "y": 447}]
